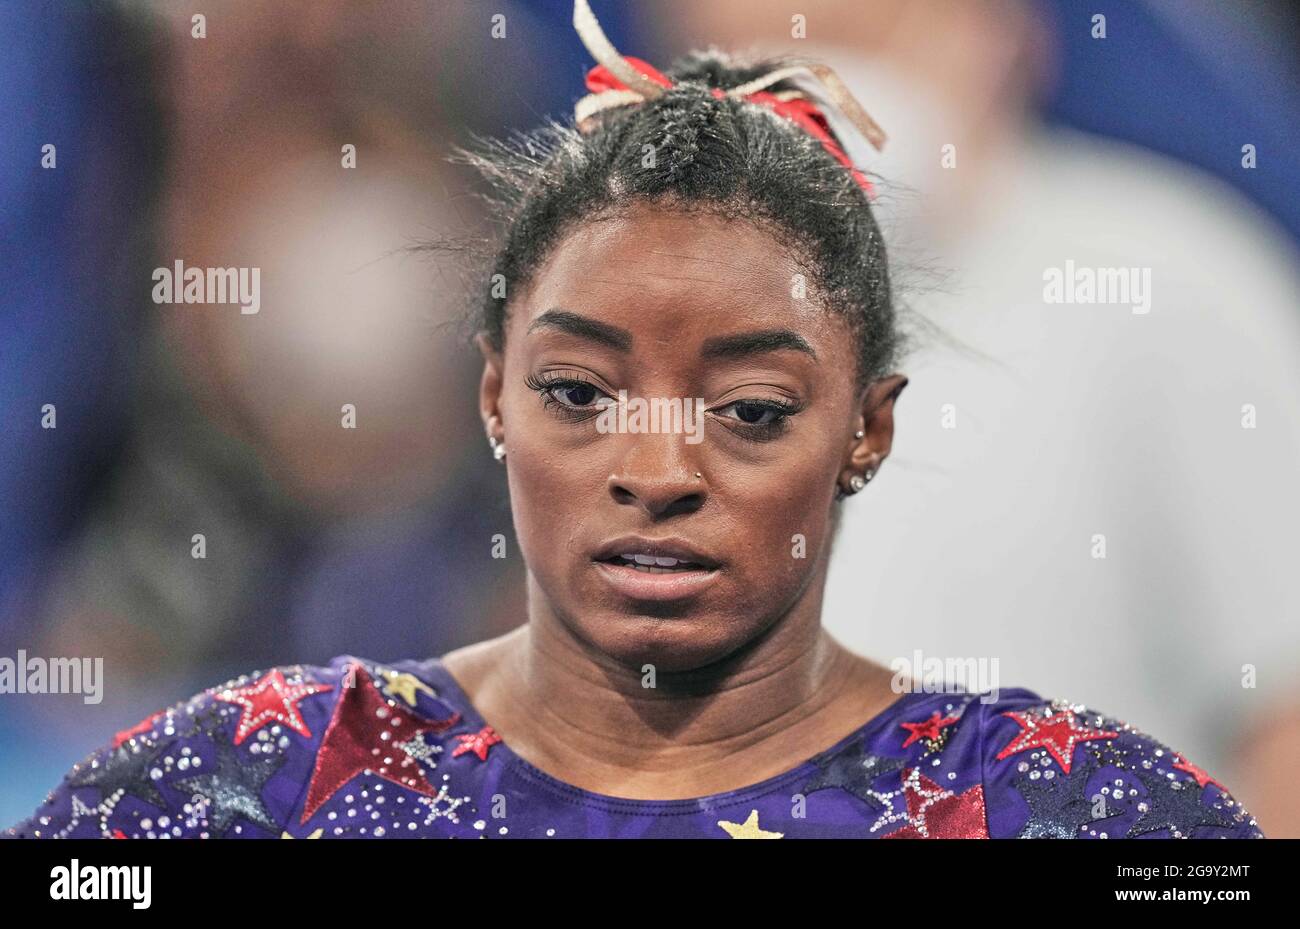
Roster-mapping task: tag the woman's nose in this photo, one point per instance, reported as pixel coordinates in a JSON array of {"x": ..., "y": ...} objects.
[{"x": 657, "y": 474}]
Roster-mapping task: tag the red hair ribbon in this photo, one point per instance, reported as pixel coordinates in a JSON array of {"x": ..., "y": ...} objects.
[{"x": 801, "y": 111}]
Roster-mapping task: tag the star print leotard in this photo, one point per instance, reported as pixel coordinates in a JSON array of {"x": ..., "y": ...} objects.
[{"x": 357, "y": 749}]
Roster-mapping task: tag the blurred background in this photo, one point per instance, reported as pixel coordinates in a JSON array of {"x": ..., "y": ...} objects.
[{"x": 1070, "y": 420}]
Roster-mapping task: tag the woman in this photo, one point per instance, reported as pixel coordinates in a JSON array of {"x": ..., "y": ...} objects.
[{"x": 689, "y": 345}]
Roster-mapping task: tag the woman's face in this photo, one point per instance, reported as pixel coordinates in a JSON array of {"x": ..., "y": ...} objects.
[{"x": 668, "y": 307}]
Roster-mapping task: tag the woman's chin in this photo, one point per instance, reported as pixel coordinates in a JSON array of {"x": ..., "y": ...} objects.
[{"x": 670, "y": 644}]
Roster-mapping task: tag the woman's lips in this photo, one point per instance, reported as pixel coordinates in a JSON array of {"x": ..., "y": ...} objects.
[
  {"x": 651, "y": 583},
  {"x": 649, "y": 551}
]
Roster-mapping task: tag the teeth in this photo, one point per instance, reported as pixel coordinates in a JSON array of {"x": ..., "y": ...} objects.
[{"x": 655, "y": 561}]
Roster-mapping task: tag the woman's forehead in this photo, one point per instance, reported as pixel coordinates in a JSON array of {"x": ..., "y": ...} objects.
[
  {"x": 647, "y": 242},
  {"x": 667, "y": 272}
]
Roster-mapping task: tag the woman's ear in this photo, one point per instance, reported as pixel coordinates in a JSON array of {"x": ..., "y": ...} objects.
[
  {"x": 876, "y": 424},
  {"x": 489, "y": 388}
]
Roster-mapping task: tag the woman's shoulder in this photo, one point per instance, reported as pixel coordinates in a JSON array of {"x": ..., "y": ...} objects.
[
  {"x": 1053, "y": 768},
  {"x": 238, "y": 759}
]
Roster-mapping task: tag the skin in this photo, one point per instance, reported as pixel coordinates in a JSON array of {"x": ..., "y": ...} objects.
[{"x": 748, "y": 683}]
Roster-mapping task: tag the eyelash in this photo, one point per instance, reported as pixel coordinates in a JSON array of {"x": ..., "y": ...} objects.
[{"x": 545, "y": 386}]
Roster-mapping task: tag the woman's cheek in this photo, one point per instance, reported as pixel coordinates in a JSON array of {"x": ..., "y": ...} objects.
[
  {"x": 541, "y": 528},
  {"x": 779, "y": 552}
]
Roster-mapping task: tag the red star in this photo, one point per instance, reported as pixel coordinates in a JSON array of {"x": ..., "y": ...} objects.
[
  {"x": 927, "y": 729},
  {"x": 142, "y": 726},
  {"x": 362, "y": 737},
  {"x": 936, "y": 813},
  {"x": 1202, "y": 778},
  {"x": 271, "y": 699},
  {"x": 477, "y": 742},
  {"x": 1058, "y": 733}
]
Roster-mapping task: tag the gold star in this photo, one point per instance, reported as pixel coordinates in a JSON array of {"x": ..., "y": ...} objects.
[
  {"x": 749, "y": 829},
  {"x": 314, "y": 835},
  {"x": 404, "y": 685}
]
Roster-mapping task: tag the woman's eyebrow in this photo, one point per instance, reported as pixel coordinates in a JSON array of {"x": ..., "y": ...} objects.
[
  {"x": 736, "y": 345},
  {"x": 743, "y": 344},
  {"x": 584, "y": 327}
]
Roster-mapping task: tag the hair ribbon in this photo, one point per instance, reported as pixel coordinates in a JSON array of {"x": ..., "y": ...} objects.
[{"x": 621, "y": 80}]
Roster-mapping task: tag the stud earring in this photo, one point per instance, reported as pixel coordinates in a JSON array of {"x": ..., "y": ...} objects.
[
  {"x": 859, "y": 434},
  {"x": 498, "y": 448},
  {"x": 856, "y": 483}
]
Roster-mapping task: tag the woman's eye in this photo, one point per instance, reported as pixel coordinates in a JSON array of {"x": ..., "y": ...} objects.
[
  {"x": 758, "y": 420},
  {"x": 570, "y": 398},
  {"x": 756, "y": 414},
  {"x": 575, "y": 394},
  {"x": 579, "y": 395}
]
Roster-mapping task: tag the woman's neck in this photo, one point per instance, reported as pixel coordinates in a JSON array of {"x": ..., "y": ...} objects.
[{"x": 591, "y": 722}]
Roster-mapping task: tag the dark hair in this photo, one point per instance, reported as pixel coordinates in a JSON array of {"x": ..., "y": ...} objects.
[{"x": 722, "y": 156}]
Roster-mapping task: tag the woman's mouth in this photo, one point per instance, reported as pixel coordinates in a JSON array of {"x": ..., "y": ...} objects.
[
  {"x": 655, "y": 569},
  {"x": 654, "y": 564}
]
